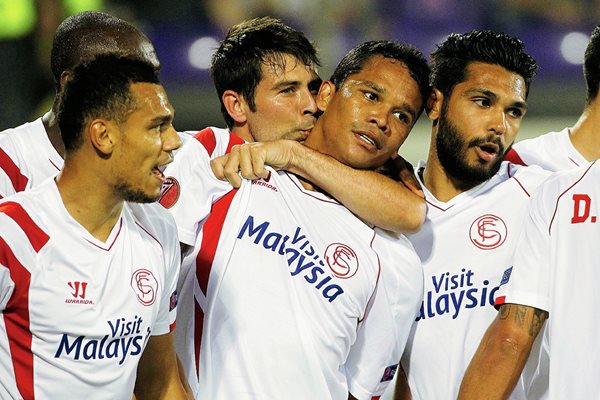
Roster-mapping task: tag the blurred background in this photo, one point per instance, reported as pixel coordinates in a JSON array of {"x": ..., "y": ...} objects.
[{"x": 185, "y": 32}]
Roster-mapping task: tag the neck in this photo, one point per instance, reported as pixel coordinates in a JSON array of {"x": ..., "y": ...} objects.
[
  {"x": 243, "y": 132},
  {"x": 584, "y": 134},
  {"x": 94, "y": 204},
  {"x": 50, "y": 122}
]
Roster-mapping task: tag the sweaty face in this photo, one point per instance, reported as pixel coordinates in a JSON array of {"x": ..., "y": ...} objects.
[
  {"x": 284, "y": 100},
  {"x": 369, "y": 116},
  {"x": 147, "y": 139},
  {"x": 479, "y": 121}
]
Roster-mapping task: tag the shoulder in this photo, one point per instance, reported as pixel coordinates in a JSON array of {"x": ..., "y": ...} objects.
[
  {"x": 529, "y": 178},
  {"x": 216, "y": 141},
  {"x": 155, "y": 219}
]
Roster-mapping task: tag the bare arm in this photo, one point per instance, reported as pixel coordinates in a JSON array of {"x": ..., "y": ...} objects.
[
  {"x": 402, "y": 390},
  {"x": 374, "y": 197},
  {"x": 157, "y": 373},
  {"x": 502, "y": 353}
]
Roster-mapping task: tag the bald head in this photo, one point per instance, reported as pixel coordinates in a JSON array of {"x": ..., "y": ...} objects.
[{"x": 83, "y": 36}]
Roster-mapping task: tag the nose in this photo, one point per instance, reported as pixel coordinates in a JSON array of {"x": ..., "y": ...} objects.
[
  {"x": 499, "y": 123},
  {"x": 171, "y": 140},
  {"x": 308, "y": 102},
  {"x": 379, "y": 117}
]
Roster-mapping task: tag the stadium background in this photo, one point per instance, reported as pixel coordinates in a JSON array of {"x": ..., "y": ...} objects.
[{"x": 555, "y": 32}]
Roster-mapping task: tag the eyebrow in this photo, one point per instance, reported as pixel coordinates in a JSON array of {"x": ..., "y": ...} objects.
[
  {"x": 163, "y": 118},
  {"x": 519, "y": 104}
]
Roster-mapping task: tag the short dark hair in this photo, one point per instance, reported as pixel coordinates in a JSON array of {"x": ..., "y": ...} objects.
[
  {"x": 100, "y": 88},
  {"x": 354, "y": 61},
  {"x": 591, "y": 65},
  {"x": 236, "y": 64},
  {"x": 85, "y": 35},
  {"x": 449, "y": 61}
]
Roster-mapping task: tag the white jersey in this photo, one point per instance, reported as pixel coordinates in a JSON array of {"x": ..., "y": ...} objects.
[
  {"x": 75, "y": 312},
  {"x": 552, "y": 151},
  {"x": 465, "y": 245},
  {"x": 27, "y": 158},
  {"x": 302, "y": 300},
  {"x": 556, "y": 269}
]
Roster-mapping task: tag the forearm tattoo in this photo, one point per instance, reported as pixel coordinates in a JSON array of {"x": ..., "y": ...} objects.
[{"x": 521, "y": 317}]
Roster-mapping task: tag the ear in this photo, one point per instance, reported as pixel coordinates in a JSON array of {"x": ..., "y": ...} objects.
[
  {"x": 64, "y": 76},
  {"x": 434, "y": 104},
  {"x": 326, "y": 92},
  {"x": 102, "y": 135},
  {"x": 236, "y": 106}
]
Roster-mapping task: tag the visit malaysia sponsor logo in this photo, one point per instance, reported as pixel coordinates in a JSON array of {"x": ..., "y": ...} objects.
[
  {"x": 124, "y": 337},
  {"x": 302, "y": 258}
]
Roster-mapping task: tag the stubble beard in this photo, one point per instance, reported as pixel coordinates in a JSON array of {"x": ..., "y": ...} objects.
[{"x": 452, "y": 153}]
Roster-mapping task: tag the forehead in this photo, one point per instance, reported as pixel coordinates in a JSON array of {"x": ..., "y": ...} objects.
[
  {"x": 150, "y": 99},
  {"x": 392, "y": 76},
  {"x": 278, "y": 66},
  {"x": 494, "y": 78}
]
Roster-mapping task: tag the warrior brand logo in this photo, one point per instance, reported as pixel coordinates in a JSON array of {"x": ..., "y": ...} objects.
[
  {"x": 582, "y": 204},
  {"x": 454, "y": 292},
  {"x": 169, "y": 192},
  {"x": 78, "y": 293},
  {"x": 145, "y": 286},
  {"x": 488, "y": 232},
  {"x": 301, "y": 256},
  {"x": 342, "y": 260},
  {"x": 124, "y": 339}
]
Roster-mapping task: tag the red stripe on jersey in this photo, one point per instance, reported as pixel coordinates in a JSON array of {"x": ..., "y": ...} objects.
[
  {"x": 206, "y": 137},
  {"x": 499, "y": 301},
  {"x": 18, "y": 180},
  {"x": 198, "y": 327},
  {"x": 233, "y": 140},
  {"x": 36, "y": 236},
  {"x": 16, "y": 320},
  {"x": 512, "y": 156}
]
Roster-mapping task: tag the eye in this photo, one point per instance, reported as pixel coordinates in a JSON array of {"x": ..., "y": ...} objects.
[
  {"x": 371, "y": 96},
  {"x": 482, "y": 101},
  {"x": 288, "y": 90},
  {"x": 515, "y": 112},
  {"x": 402, "y": 116}
]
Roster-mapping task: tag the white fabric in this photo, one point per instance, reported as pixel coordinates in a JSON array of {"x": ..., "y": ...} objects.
[
  {"x": 552, "y": 151},
  {"x": 465, "y": 246},
  {"x": 278, "y": 321},
  {"x": 556, "y": 269},
  {"x": 83, "y": 308},
  {"x": 26, "y": 151}
]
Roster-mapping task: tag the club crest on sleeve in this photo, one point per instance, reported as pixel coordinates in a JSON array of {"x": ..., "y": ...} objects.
[
  {"x": 389, "y": 373},
  {"x": 169, "y": 192},
  {"x": 173, "y": 301}
]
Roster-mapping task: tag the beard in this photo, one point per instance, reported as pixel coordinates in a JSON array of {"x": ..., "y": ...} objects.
[
  {"x": 452, "y": 153},
  {"x": 133, "y": 195}
]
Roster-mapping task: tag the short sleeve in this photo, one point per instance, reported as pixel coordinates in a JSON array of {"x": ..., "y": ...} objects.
[
  {"x": 384, "y": 331},
  {"x": 527, "y": 281},
  {"x": 190, "y": 189}
]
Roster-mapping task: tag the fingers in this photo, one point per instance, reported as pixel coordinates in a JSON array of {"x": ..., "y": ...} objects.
[
  {"x": 243, "y": 161},
  {"x": 407, "y": 176}
]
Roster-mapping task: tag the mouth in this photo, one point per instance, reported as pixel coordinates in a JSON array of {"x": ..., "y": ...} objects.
[
  {"x": 158, "y": 173},
  {"x": 488, "y": 151},
  {"x": 369, "y": 139}
]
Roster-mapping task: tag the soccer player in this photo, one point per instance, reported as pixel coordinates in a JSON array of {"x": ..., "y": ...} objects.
[
  {"x": 34, "y": 151},
  {"x": 574, "y": 146},
  {"x": 554, "y": 276},
  {"x": 87, "y": 275},
  {"x": 301, "y": 298},
  {"x": 476, "y": 203},
  {"x": 265, "y": 75}
]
